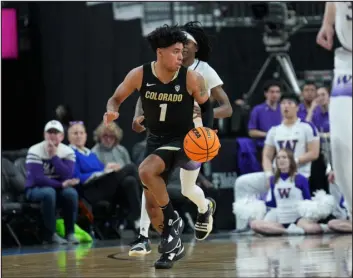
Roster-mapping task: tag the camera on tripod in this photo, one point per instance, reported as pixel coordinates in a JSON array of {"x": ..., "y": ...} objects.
[{"x": 279, "y": 23}]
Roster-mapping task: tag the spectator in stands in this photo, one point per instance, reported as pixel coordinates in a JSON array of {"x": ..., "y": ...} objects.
[
  {"x": 309, "y": 94},
  {"x": 64, "y": 115},
  {"x": 319, "y": 115},
  {"x": 286, "y": 189},
  {"x": 265, "y": 115},
  {"x": 110, "y": 182},
  {"x": 50, "y": 168},
  {"x": 108, "y": 147}
]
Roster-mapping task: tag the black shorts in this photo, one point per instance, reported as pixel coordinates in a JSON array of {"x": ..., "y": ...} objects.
[
  {"x": 286, "y": 225},
  {"x": 169, "y": 149}
]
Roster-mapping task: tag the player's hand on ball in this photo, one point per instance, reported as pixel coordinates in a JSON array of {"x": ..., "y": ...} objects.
[
  {"x": 325, "y": 37},
  {"x": 136, "y": 124},
  {"x": 110, "y": 116}
]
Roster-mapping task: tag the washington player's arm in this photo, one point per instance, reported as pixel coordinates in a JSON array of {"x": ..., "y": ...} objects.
[
  {"x": 225, "y": 109},
  {"x": 269, "y": 151},
  {"x": 215, "y": 83},
  {"x": 132, "y": 82},
  {"x": 330, "y": 14},
  {"x": 196, "y": 87},
  {"x": 312, "y": 145}
]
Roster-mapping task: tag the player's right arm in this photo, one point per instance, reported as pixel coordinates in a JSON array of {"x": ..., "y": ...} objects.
[
  {"x": 268, "y": 153},
  {"x": 132, "y": 82},
  {"x": 325, "y": 35}
]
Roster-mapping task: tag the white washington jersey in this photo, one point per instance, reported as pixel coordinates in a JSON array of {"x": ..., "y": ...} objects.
[
  {"x": 211, "y": 78},
  {"x": 285, "y": 194},
  {"x": 294, "y": 137}
]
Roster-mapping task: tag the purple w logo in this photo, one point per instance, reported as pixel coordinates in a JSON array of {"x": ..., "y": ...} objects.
[
  {"x": 344, "y": 79},
  {"x": 284, "y": 192},
  {"x": 288, "y": 144}
]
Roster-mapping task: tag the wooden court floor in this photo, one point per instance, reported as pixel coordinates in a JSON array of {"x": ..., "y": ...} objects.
[{"x": 221, "y": 256}]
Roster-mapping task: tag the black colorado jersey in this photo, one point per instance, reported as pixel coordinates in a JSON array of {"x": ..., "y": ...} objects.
[{"x": 168, "y": 108}]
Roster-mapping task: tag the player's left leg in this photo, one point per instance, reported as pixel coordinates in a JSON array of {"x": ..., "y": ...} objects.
[
  {"x": 341, "y": 144},
  {"x": 206, "y": 206}
]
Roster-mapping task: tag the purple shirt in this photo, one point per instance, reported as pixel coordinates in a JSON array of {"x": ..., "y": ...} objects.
[
  {"x": 43, "y": 170},
  {"x": 302, "y": 112},
  {"x": 263, "y": 117},
  {"x": 321, "y": 120}
]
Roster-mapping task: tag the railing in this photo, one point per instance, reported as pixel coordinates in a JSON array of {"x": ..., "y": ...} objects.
[{"x": 221, "y": 13}]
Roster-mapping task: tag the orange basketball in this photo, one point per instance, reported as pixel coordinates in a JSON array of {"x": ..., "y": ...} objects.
[{"x": 201, "y": 144}]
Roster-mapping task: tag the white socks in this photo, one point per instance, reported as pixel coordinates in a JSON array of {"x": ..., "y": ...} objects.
[
  {"x": 144, "y": 220},
  {"x": 190, "y": 190}
]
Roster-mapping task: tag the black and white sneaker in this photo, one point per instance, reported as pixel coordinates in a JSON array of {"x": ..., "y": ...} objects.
[
  {"x": 204, "y": 221},
  {"x": 167, "y": 260},
  {"x": 140, "y": 247},
  {"x": 170, "y": 240}
]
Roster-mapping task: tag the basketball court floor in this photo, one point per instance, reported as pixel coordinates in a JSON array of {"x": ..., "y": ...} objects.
[{"x": 222, "y": 255}]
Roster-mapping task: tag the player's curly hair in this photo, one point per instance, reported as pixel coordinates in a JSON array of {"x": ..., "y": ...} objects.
[
  {"x": 195, "y": 29},
  {"x": 166, "y": 36}
]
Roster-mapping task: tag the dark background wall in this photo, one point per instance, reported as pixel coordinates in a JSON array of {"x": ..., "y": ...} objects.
[{"x": 80, "y": 54}]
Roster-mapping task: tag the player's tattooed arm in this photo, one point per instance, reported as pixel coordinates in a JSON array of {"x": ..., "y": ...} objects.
[{"x": 132, "y": 81}]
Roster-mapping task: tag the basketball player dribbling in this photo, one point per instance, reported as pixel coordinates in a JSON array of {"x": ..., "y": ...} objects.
[
  {"x": 339, "y": 14},
  {"x": 196, "y": 53},
  {"x": 168, "y": 91}
]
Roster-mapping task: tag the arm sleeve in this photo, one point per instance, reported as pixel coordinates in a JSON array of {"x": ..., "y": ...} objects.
[
  {"x": 311, "y": 133},
  {"x": 270, "y": 137},
  {"x": 64, "y": 167},
  {"x": 207, "y": 114},
  {"x": 35, "y": 172},
  {"x": 212, "y": 79},
  {"x": 302, "y": 183}
]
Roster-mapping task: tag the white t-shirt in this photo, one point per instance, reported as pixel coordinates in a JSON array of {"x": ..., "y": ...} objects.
[
  {"x": 295, "y": 138},
  {"x": 211, "y": 78}
]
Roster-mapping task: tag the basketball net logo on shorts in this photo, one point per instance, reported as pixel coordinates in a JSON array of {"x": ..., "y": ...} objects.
[{"x": 177, "y": 88}]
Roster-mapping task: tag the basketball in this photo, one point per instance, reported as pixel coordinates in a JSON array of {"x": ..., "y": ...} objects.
[{"x": 201, "y": 144}]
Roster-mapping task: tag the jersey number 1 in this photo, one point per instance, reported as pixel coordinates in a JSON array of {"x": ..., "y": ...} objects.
[{"x": 163, "y": 114}]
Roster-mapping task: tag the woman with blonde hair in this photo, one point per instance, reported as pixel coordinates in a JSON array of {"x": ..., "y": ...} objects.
[
  {"x": 286, "y": 189},
  {"x": 108, "y": 148}
]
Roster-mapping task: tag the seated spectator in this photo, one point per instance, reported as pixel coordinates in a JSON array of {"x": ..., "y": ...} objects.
[
  {"x": 265, "y": 115},
  {"x": 109, "y": 182},
  {"x": 319, "y": 117},
  {"x": 286, "y": 189},
  {"x": 309, "y": 94},
  {"x": 50, "y": 168},
  {"x": 108, "y": 147}
]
